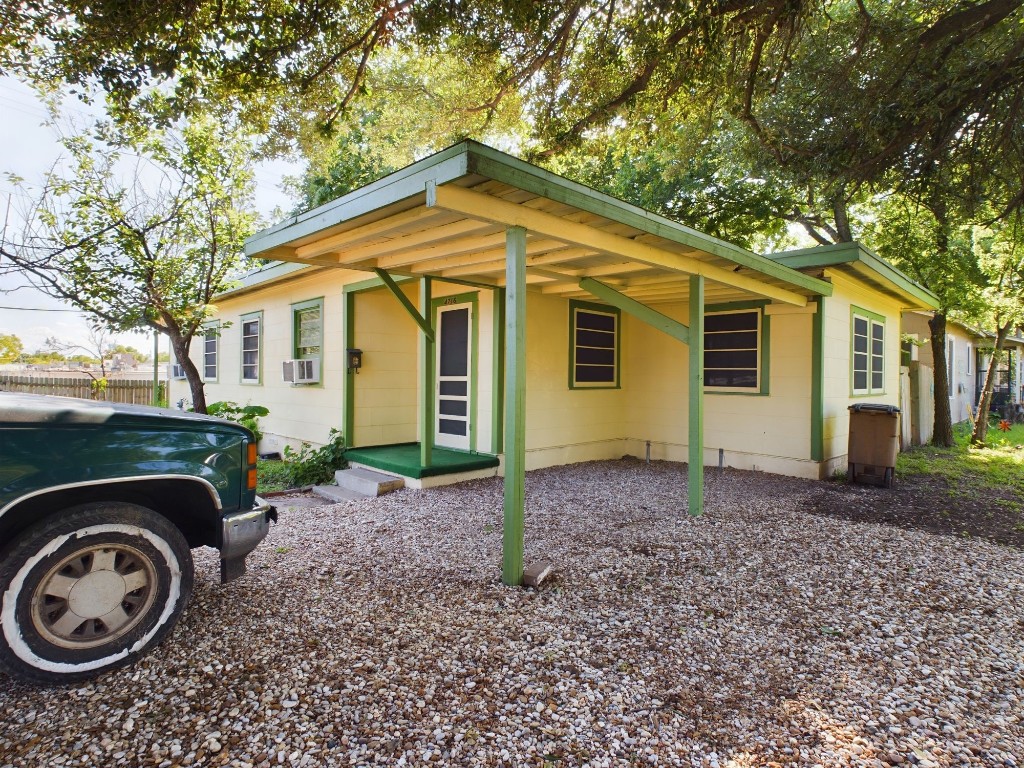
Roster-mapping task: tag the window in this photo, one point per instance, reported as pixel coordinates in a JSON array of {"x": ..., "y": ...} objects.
[
  {"x": 308, "y": 327},
  {"x": 732, "y": 356},
  {"x": 252, "y": 326},
  {"x": 868, "y": 353},
  {"x": 211, "y": 342},
  {"x": 967, "y": 356},
  {"x": 593, "y": 346}
]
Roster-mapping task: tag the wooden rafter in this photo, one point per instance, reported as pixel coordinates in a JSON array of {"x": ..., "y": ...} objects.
[{"x": 487, "y": 208}]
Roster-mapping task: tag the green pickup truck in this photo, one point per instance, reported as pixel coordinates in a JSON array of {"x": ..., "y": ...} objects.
[{"x": 100, "y": 506}]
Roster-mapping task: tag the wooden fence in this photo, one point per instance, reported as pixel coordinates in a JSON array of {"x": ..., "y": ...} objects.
[{"x": 135, "y": 391}]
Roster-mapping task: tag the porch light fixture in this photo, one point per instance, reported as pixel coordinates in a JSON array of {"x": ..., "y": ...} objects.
[{"x": 355, "y": 360}]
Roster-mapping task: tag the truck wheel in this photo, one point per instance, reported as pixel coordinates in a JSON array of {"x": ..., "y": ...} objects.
[{"x": 89, "y": 589}]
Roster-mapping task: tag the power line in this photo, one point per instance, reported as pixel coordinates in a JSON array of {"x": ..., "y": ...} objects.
[{"x": 41, "y": 309}]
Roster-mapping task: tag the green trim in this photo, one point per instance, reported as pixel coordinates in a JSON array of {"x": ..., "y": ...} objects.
[
  {"x": 296, "y": 308},
  {"x": 212, "y": 325},
  {"x": 730, "y": 306},
  {"x": 854, "y": 253},
  {"x": 695, "y": 418},
  {"x": 409, "y": 182},
  {"x": 403, "y": 459},
  {"x": 471, "y": 298},
  {"x": 427, "y": 378},
  {"x": 515, "y": 407},
  {"x": 645, "y": 314},
  {"x": 373, "y": 282},
  {"x": 242, "y": 320},
  {"x": 818, "y": 382},
  {"x": 470, "y": 158},
  {"x": 498, "y": 369},
  {"x": 575, "y": 304},
  {"x": 763, "y": 347},
  {"x": 492, "y": 164},
  {"x": 267, "y": 272},
  {"x": 870, "y": 316},
  {"x": 349, "y": 334},
  {"x": 404, "y": 301}
]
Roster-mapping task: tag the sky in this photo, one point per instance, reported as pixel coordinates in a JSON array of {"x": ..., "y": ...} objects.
[{"x": 28, "y": 148}]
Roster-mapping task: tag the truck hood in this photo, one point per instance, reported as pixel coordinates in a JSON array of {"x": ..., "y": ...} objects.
[{"x": 21, "y": 408}]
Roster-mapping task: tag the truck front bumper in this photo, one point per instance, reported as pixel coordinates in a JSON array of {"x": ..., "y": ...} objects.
[{"x": 240, "y": 534}]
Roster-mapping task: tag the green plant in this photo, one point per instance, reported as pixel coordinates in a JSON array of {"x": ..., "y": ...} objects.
[
  {"x": 309, "y": 466},
  {"x": 246, "y": 415},
  {"x": 272, "y": 475}
]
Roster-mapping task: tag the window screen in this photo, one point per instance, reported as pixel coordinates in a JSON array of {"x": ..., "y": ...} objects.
[
  {"x": 210, "y": 353},
  {"x": 595, "y": 345},
  {"x": 251, "y": 349},
  {"x": 732, "y": 350}
]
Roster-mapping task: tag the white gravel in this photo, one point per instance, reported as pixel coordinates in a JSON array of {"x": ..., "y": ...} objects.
[{"x": 376, "y": 633}]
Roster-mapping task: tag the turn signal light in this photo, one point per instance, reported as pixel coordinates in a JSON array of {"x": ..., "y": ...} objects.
[
  {"x": 252, "y": 454},
  {"x": 252, "y": 479}
]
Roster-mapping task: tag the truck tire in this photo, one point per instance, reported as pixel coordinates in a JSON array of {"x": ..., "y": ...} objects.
[{"x": 90, "y": 589}]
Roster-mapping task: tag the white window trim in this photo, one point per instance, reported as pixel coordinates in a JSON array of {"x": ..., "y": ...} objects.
[
  {"x": 256, "y": 317},
  {"x": 872, "y": 322},
  {"x": 215, "y": 329}
]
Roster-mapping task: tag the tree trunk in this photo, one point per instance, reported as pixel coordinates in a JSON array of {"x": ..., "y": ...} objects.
[
  {"x": 943, "y": 434},
  {"x": 985, "y": 400},
  {"x": 195, "y": 380}
]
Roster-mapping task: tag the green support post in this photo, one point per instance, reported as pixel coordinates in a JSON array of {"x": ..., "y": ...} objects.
[
  {"x": 426, "y": 377},
  {"x": 695, "y": 470},
  {"x": 515, "y": 405}
]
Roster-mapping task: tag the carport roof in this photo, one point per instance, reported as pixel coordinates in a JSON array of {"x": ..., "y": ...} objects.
[{"x": 446, "y": 217}]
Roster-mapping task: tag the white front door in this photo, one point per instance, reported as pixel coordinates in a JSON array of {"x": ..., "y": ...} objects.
[{"x": 454, "y": 363}]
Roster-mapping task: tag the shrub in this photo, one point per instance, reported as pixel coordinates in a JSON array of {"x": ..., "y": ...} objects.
[
  {"x": 309, "y": 466},
  {"x": 246, "y": 415}
]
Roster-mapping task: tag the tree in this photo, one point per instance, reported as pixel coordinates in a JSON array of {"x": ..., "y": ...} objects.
[
  {"x": 152, "y": 252},
  {"x": 937, "y": 253},
  {"x": 1001, "y": 257},
  {"x": 96, "y": 349},
  {"x": 10, "y": 348}
]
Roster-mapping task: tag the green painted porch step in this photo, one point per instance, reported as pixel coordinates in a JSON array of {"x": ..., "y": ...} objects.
[{"x": 404, "y": 459}]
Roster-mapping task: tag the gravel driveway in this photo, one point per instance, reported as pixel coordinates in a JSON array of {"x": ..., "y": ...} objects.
[{"x": 376, "y": 632}]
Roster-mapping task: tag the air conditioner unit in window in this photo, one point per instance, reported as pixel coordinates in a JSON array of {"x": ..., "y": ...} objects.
[
  {"x": 301, "y": 371},
  {"x": 175, "y": 371}
]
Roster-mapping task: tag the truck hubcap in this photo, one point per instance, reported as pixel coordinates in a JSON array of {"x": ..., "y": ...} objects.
[{"x": 94, "y": 596}]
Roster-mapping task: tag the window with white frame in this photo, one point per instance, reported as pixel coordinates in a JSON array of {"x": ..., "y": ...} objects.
[
  {"x": 211, "y": 344},
  {"x": 968, "y": 354},
  {"x": 252, "y": 326},
  {"x": 867, "y": 368},
  {"x": 308, "y": 328},
  {"x": 732, "y": 350}
]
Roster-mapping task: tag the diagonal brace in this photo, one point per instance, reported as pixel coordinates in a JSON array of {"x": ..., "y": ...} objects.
[
  {"x": 642, "y": 312},
  {"x": 393, "y": 287}
]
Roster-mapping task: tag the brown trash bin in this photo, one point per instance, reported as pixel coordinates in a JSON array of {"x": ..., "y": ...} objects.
[{"x": 874, "y": 443}]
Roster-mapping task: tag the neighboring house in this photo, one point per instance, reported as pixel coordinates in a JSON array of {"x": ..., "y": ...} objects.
[
  {"x": 493, "y": 307},
  {"x": 968, "y": 351}
]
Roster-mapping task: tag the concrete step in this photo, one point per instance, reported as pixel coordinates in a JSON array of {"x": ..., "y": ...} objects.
[
  {"x": 337, "y": 493},
  {"x": 362, "y": 480}
]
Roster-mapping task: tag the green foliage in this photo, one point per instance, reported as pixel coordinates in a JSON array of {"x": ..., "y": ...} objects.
[
  {"x": 999, "y": 466},
  {"x": 247, "y": 415},
  {"x": 152, "y": 251},
  {"x": 315, "y": 466},
  {"x": 10, "y": 347},
  {"x": 272, "y": 475}
]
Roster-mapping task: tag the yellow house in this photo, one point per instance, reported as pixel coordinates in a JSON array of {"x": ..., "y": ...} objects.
[{"x": 473, "y": 314}]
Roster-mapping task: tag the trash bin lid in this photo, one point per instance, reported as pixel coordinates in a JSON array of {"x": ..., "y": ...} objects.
[{"x": 879, "y": 407}]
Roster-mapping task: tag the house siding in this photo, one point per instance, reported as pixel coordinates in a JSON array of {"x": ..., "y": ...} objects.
[{"x": 837, "y": 397}]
